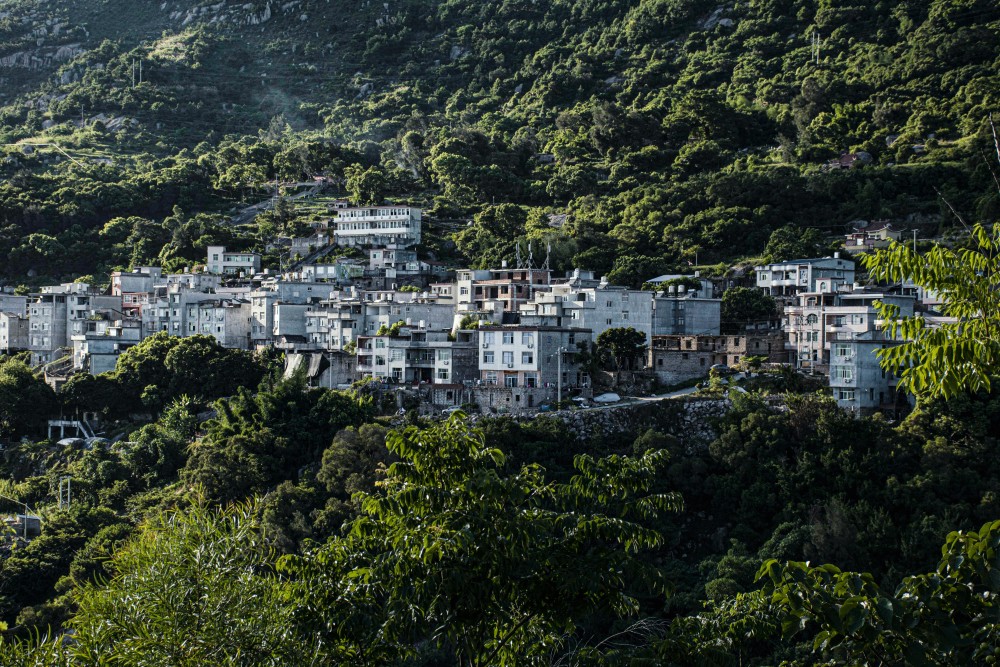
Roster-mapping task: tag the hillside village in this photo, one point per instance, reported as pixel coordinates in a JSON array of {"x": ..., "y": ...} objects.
[{"x": 511, "y": 339}]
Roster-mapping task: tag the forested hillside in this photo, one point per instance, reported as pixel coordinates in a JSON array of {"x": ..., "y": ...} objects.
[{"x": 678, "y": 130}]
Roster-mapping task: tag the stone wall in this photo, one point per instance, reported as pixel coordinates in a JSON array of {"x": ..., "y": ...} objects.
[{"x": 691, "y": 420}]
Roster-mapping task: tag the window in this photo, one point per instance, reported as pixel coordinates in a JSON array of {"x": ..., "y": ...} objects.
[
  {"x": 395, "y": 355},
  {"x": 526, "y": 338},
  {"x": 845, "y": 394},
  {"x": 488, "y": 337},
  {"x": 843, "y": 373},
  {"x": 530, "y": 380},
  {"x": 527, "y": 358},
  {"x": 508, "y": 357},
  {"x": 444, "y": 355},
  {"x": 491, "y": 377},
  {"x": 488, "y": 358},
  {"x": 510, "y": 381},
  {"x": 842, "y": 349},
  {"x": 442, "y": 374},
  {"x": 812, "y": 319},
  {"x": 625, "y": 315},
  {"x": 684, "y": 355},
  {"x": 508, "y": 338}
]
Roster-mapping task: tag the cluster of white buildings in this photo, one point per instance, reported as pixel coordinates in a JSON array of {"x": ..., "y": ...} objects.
[{"x": 507, "y": 338}]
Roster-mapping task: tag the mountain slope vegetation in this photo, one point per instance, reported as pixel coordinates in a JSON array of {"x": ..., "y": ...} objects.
[{"x": 678, "y": 130}]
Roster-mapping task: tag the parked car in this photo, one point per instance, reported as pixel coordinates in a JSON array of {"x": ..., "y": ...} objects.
[
  {"x": 722, "y": 369},
  {"x": 609, "y": 397}
]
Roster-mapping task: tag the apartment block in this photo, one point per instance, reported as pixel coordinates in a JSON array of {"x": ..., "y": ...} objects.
[
  {"x": 531, "y": 356},
  {"x": 381, "y": 226},
  {"x": 59, "y": 312},
  {"x": 787, "y": 279},
  {"x": 222, "y": 263},
  {"x": 595, "y": 308}
]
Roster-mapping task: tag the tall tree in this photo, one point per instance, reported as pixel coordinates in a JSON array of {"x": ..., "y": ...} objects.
[
  {"x": 954, "y": 356},
  {"x": 494, "y": 568}
]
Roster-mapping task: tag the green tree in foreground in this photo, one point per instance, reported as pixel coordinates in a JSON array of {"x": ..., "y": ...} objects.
[
  {"x": 194, "y": 587},
  {"x": 494, "y": 569},
  {"x": 952, "y": 356},
  {"x": 947, "y": 617}
]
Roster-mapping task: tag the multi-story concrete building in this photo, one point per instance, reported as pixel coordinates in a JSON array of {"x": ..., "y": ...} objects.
[
  {"x": 418, "y": 356},
  {"x": 292, "y": 299},
  {"x": 786, "y": 279},
  {"x": 595, "y": 308},
  {"x": 858, "y": 381},
  {"x": 136, "y": 288},
  {"x": 382, "y": 226},
  {"x": 14, "y": 329},
  {"x": 684, "y": 314},
  {"x": 876, "y": 234},
  {"x": 227, "y": 320},
  {"x": 421, "y": 310},
  {"x": 13, "y": 303},
  {"x": 531, "y": 356},
  {"x": 341, "y": 271},
  {"x": 335, "y": 324},
  {"x": 59, "y": 312},
  {"x": 819, "y": 318},
  {"x": 97, "y": 349},
  {"x": 481, "y": 291},
  {"x": 838, "y": 334},
  {"x": 222, "y": 263}
]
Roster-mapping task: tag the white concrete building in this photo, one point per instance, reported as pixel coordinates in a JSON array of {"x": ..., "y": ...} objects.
[
  {"x": 14, "y": 329},
  {"x": 97, "y": 350},
  {"x": 801, "y": 275},
  {"x": 275, "y": 294},
  {"x": 383, "y": 226},
  {"x": 595, "y": 308},
  {"x": 59, "y": 312},
  {"x": 222, "y": 263},
  {"x": 531, "y": 356}
]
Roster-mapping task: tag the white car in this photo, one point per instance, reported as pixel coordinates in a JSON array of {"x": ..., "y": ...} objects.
[{"x": 610, "y": 397}]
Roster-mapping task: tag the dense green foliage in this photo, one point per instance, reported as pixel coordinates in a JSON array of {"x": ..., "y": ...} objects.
[
  {"x": 962, "y": 353},
  {"x": 669, "y": 131}
]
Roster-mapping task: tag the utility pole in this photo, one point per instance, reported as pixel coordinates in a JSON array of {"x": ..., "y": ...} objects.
[
  {"x": 133, "y": 72},
  {"x": 559, "y": 354},
  {"x": 140, "y": 70}
]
